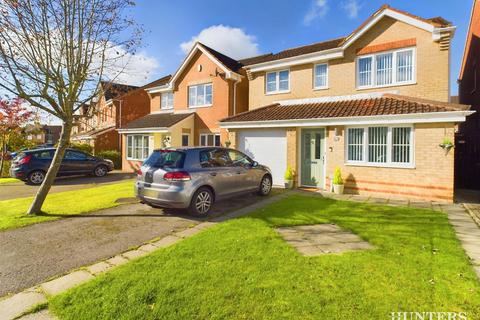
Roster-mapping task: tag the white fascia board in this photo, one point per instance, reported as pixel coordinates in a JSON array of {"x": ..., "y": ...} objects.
[
  {"x": 143, "y": 130},
  {"x": 430, "y": 117},
  {"x": 320, "y": 56},
  {"x": 164, "y": 88},
  {"x": 437, "y": 32}
]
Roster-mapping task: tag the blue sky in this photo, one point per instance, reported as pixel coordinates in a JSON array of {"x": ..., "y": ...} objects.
[{"x": 259, "y": 26}]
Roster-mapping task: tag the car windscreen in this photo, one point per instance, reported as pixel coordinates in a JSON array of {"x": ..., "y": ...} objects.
[{"x": 166, "y": 159}]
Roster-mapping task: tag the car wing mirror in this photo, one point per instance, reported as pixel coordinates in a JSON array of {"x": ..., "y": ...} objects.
[{"x": 254, "y": 164}]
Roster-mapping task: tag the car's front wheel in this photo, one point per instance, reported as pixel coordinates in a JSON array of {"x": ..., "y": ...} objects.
[
  {"x": 202, "y": 202},
  {"x": 36, "y": 177},
  {"x": 100, "y": 171},
  {"x": 265, "y": 186}
]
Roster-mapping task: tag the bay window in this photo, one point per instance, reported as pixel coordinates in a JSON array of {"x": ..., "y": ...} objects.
[
  {"x": 277, "y": 81},
  {"x": 380, "y": 146},
  {"x": 385, "y": 69},
  {"x": 167, "y": 101},
  {"x": 321, "y": 76},
  {"x": 138, "y": 146},
  {"x": 200, "y": 95}
]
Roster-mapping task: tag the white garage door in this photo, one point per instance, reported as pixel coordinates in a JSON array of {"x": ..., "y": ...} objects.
[{"x": 267, "y": 147}]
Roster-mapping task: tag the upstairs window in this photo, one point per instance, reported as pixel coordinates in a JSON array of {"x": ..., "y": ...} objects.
[
  {"x": 321, "y": 76},
  {"x": 277, "y": 81},
  {"x": 386, "y": 69},
  {"x": 200, "y": 95},
  {"x": 166, "y": 101}
]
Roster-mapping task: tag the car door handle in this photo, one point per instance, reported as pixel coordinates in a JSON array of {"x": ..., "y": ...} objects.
[
  {"x": 239, "y": 172},
  {"x": 213, "y": 174}
]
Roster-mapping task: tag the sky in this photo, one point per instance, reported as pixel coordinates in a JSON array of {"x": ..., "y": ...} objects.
[{"x": 251, "y": 27}]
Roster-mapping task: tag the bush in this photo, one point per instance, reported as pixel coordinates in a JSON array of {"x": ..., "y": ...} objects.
[
  {"x": 289, "y": 174},
  {"x": 113, "y": 155},
  {"x": 337, "y": 176},
  {"x": 85, "y": 147}
]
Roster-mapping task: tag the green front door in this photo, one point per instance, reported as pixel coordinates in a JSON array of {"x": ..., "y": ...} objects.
[{"x": 313, "y": 157}]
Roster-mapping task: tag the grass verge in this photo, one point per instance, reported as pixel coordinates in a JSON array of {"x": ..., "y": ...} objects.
[
  {"x": 8, "y": 180},
  {"x": 242, "y": 269},
  {"x": 57, "y": 205}
]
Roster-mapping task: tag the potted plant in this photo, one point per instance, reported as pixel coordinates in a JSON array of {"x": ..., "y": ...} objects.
[
  {"x": 337, "y": 181},
  {"x": 446, "y": 144},
  {"x": 228, "y": 143},
  {"x": 289, "y": 177}
]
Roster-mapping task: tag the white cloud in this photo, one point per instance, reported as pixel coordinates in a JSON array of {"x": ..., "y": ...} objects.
[
  {"x": 133, "y": 69},
  {"x": 233, "y": 42},
  {"x": 318, "y": 10},
  {"x": 352, "y": 7}
]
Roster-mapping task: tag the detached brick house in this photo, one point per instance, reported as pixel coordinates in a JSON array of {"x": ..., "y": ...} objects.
[
  {"x": 186, "y": 109},
  {"x": 375, "y": 103},
  {"x": 117, "y": 105},
  {"x": 468, "y": 139}
]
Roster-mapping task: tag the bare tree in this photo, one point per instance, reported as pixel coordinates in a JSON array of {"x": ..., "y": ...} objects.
[{"x": 53, "y": 54}]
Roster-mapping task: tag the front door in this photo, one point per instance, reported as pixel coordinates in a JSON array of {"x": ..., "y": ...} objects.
[{"x": 313, "y": 158}]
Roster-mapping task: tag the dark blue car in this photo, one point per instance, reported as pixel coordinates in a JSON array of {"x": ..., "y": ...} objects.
[{"x": 32, "y": 165}]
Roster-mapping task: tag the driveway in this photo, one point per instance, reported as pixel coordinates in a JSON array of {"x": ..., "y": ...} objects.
[
  {"x": 33, "y": 254},
  {"x": 21, "y": 190}
]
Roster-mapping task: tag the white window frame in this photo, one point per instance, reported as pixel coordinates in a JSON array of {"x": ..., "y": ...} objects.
[
  {"x": 373, "y": 70},
  {"x": 168, "y": 106},
  {"x": 277, "y": 82},
  {"x": 389, "y": 163},
  {"x": 131, "y": 144},
  {"x": 206, "y": 139},
  {"x": 205, "y": 95},
  {"x": 315, "y": 77}
]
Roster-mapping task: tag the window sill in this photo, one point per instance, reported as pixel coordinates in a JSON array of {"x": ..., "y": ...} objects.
[
  {"x": 320, "y": 88},
  {"x": 202, "y": 106},
  {"x": 132, "y": 159},
  {"x": 381, "y": 165},
  {"x": 276, "y": 92},
  {"x": 387, "y": 86}
]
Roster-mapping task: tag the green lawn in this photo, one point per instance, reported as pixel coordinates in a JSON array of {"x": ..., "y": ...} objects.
[
  {"x": 242, "y": 269},
  {"x": 8, "y": 180},
  {"x": 12, "y": 212}
]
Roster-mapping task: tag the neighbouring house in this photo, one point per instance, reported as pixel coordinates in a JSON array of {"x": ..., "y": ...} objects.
[
  {"x": 97, "y": 121},
  {"x": 42, "y": 134},
  {"x": 375, "y": 103},
  {"x": 468, "y": 139},
  {"x": 185, "y": 111}
]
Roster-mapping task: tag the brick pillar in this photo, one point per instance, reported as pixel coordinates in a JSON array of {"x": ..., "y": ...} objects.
[{"x": 292, "y": 151}]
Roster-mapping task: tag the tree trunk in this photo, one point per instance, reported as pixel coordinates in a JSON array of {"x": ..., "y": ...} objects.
[
  {"x": 4, "y": 151},
  {"x": 36, "y": 206}
]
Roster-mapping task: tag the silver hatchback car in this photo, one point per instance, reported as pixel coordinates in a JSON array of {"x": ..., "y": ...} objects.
[{"x": 194, "y": 178}]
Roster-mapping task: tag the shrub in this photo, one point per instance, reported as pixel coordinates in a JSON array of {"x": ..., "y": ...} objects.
[
  {"x": 337, "y": 176},
  {"x": 85, "y": 147},
  {"x": 289, "y": 174},
  {"x": 113, "y": 155}
]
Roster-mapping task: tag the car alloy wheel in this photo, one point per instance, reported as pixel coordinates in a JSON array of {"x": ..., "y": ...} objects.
[
  {"x": 266, "y": 185},
  {"x": 36, "y": 177},
  {"x": 100, "y": 171},
  {"x": 203, "y": 202}
]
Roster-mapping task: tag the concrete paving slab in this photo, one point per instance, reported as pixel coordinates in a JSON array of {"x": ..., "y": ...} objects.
[
  {"x": 99, "y": 267},
  {"x": 17, "y": 304},
  {"x": 117, "y": 260},
  {"x": 66, "y": 282},
  {"x": 134, "y": 254},
  {"x": 188, "y": 232},
  {"x": 148, "y": 247},
  {"x": 166, "y": 242},
  {"x": 41, "y": 315}
]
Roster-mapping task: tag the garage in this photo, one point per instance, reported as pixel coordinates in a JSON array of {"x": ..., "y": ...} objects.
[{"x": 267, "y": 147}]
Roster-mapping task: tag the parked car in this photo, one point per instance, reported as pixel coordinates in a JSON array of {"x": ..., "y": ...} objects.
[
  {"x": 32, "y": 165},
  {"x": 194, "y": 178}
]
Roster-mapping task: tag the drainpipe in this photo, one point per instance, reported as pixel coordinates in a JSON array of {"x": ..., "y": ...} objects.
[
  {"x": 120, "y": 123},
  {"x": 235, "y": 96}
]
